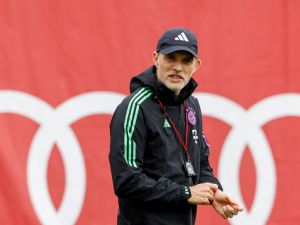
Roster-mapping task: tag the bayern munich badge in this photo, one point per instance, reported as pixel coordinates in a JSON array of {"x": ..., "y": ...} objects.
[{"x": 191, "y": 116}]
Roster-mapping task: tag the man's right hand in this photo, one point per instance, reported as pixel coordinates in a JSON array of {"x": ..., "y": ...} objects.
[{"x": 202, "y": 194}]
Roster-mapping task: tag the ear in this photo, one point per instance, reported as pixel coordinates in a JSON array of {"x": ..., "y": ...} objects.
[
  {"x": 155, "y": 58},
  {"x": 197, "y": 65}
]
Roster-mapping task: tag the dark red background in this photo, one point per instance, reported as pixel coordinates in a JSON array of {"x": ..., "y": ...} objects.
[{"x": 57, "y": 49}]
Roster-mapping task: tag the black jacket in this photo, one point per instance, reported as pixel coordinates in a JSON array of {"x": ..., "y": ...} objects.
[{"x": 147, "y": 159}]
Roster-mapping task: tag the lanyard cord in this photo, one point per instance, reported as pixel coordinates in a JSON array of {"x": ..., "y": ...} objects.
[{"x": 184, "y": 144}]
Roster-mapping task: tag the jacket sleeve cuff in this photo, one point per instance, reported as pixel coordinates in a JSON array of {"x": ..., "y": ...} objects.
[{"x": 185, "y": 192}]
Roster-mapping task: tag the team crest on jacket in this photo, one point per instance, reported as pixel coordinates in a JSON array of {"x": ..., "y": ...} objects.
[{"x": 191, "y": 116}]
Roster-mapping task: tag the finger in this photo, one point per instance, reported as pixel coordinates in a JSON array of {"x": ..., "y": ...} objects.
[
  {"x": 225, "y": 216},
  {"x": 213, "y": 187},
  {"x": 235, "y": 212},
  {"x": 206, "y": 191},
  {"x": 228, "y": 211},
  {"x": 237, "y": 207},
  {"x": 210, "y": 197},
  {"x": 231, "y": 200},
  {"x": 233, "y": 203},
  {"x": 210, "y": 192},
  {"x": 220, "y": 210}
]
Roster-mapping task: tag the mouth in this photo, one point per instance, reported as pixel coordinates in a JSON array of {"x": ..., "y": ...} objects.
[{"x": 176, "y": 77}]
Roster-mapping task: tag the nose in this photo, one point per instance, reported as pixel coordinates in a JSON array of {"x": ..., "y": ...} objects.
[{"x": 177, "y": 67}]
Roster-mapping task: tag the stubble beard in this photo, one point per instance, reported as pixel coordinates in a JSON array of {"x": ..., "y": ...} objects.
[{"x": 175, "y": 88}]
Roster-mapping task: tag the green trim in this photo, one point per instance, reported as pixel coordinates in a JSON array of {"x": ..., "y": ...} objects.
[
  {"x": 130, "y": 122},
  {"x": 125, "y": 124},
  {"x": 186, "y": 191}
]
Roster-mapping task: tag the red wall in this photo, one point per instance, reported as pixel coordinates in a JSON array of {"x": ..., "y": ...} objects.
[{"x": 63, "y": 64}]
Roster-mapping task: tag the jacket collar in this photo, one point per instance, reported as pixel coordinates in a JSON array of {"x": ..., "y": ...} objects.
[{"x": 148, "y": 78}]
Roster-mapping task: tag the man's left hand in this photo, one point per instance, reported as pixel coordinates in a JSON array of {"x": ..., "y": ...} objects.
[{"x": 225, "y": 205}]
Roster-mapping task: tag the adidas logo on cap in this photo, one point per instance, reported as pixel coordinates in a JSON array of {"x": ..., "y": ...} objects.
[{"x": 181, "y": 37}]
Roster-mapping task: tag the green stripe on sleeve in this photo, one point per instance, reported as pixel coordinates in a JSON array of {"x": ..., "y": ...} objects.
[
  {"x": 126, "y": 121},
  {"x": 130, "y": 122},
  {"x": 133, "y": 126}
]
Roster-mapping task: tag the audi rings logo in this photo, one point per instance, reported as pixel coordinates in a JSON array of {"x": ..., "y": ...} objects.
[{"x": 55, "y": 129}]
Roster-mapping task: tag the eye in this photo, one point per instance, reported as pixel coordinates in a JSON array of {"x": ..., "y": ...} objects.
[
  {"x": 170, "y": 57},
  {"x": 188, "y": 60}
]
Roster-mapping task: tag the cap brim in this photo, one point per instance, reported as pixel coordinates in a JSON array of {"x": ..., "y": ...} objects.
[{"x": 177, "y": 48}]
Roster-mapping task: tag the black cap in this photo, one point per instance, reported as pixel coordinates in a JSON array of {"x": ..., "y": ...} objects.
[{"x": 178, "y": 39}]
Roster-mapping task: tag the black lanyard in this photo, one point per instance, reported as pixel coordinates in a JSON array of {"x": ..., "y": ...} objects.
[{"x": 184, "y": 144}]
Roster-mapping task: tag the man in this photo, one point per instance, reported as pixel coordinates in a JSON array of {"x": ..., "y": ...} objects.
[{"x": 159, "y": 156}]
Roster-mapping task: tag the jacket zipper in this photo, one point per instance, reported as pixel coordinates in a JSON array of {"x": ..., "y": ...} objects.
[
  {"x": 190, "y": 222},
  {"x": 182, "y": 114},
  {"x": 191, "y": 210}
]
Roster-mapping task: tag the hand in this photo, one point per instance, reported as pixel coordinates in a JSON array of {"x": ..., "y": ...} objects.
[
  {"x": 225, "y": 205},
  {"x": 202, "y": 194}
]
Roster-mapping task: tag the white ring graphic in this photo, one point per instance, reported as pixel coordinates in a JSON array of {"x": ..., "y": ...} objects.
[
  {"x": 55, "y": 128},
  {"x": 246, "y": 130}
]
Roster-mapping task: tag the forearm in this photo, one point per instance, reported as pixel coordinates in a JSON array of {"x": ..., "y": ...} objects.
[{"x": 139, "y": 186}]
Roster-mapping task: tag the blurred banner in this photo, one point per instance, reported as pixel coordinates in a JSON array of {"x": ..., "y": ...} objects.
[{"x": 65, "y": 65}]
